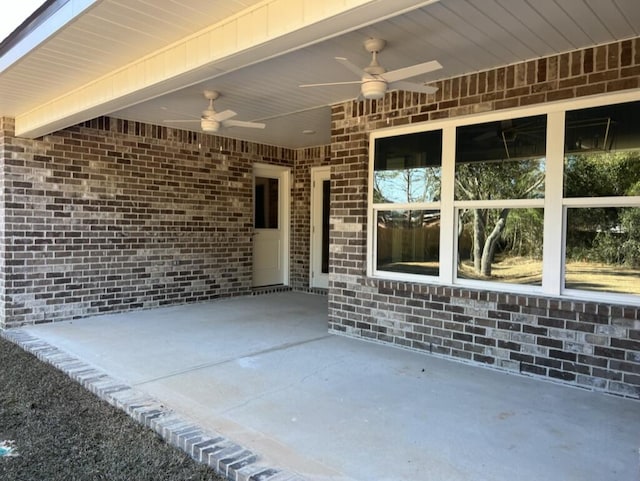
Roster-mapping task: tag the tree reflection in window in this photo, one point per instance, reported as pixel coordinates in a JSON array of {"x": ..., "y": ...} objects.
[
  {"x": 408, "y": 241},
  {"x": 407, "y": 168},
  {"x": 502, "y": 160},
  {"x": 602, "y": 160}
]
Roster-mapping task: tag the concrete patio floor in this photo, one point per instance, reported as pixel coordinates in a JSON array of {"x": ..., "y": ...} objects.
[{"x": 263, "y": 372}]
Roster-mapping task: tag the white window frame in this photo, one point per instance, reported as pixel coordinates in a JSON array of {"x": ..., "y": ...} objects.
[
  {"x": 372, "y": 270},
  {"x": 554, "y": 203}
]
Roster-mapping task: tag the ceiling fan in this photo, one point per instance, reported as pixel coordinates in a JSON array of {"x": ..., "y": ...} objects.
[
  {"x": 375, "y": 80},
  {"x": 212, "y": 121}
]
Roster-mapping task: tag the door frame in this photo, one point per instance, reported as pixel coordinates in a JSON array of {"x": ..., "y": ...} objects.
[
  {"x": 318, "y": 174},
  {"x": 284, "y": 211}
]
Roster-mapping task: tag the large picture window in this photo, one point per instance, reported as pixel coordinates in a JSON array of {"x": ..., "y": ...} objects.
[{"x": 547, "y": 201}]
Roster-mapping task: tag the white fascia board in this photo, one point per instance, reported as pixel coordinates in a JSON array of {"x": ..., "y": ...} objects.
[{"x": 263, "y": 31}]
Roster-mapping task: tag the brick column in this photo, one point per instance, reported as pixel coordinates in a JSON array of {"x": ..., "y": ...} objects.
[{"x": 6, "y": 132}]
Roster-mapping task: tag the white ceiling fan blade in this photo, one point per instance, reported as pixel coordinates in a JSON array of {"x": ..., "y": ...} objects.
[
  {"x": 222, "y": 116},
  {"x": 412, "y": 87},
  {"x": 351, "y": 82},
  {"x": 179, "y": 121},
  {"x": 242, "y": 123},
  {"x": 412, "y": 71},
  {"x": 354, "y": 68}
]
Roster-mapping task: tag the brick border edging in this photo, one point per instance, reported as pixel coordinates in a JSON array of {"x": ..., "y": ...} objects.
[{"x": 225, "y": 457}]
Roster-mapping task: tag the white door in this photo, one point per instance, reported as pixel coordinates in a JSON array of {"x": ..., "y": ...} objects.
[
  {"x": 320, "y": 190},
  {"x": 271, "y": 225}
]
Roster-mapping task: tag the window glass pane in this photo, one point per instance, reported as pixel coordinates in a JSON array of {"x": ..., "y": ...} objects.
[
  {"x": 408, "y": 241},
  {"x": 266, "y": 203},
  {"x": 407, "y": 168},
  {"x": 603, "y": 249},
  {"x": 501, "y": 160},
  {"x": 602, "y": 151},
  {"x": 503, "y": 245}
]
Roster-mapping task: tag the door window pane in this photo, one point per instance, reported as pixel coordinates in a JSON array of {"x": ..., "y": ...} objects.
[
  {"x": 266, "y": 203},
  {"x": 408, "y": 241},
  {"x": 326, "y": 196}
]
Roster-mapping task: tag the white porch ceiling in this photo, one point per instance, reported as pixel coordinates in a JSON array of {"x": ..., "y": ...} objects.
[{"x": 463, "y": 35}]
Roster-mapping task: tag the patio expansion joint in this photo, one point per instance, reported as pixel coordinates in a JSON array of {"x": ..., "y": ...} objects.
[
  {"x": 225, "y": 457},
  {"x": 199, "y": 367}
]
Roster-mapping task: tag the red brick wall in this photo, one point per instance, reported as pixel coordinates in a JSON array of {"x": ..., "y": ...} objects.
[
  {"x": 592, "y": 345},
  {"x": 114, "y": 215}
]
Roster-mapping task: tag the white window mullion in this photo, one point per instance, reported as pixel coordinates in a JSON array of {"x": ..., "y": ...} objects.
[
  {"x": 499, "y": 204},
  {"x": 623, "y": 201},
  {"x": 371, "y": 213},
  {"x": 448, "y": 234},
  {"x": 553, "y": 262}
]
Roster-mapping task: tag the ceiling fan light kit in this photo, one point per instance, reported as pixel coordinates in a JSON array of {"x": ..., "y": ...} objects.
[
  {"x": 373, "y": 89},
  {"x": 209, "y": 125},
  {"x": 375, "y": 80}
]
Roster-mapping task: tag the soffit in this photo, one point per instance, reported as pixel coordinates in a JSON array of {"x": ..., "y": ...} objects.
[
  {"x": 464, "y": 35},
  {"x": 103, "y": 38}
]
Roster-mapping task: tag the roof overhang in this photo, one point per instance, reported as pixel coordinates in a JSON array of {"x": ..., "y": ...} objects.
[
  {"x": 75, "y": 60},
  {"x": 259, "y": 32}
]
